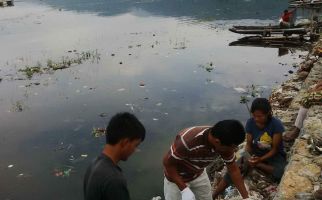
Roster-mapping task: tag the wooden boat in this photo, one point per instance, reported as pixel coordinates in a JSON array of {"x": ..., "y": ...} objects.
[
  {"x": 273, "y": 42},
  {"x": 6, "y": 3},
  {"x": 300, "y": 25},
  {"x": 270, "y": 31},
  {"x": 306, "y": 3}
]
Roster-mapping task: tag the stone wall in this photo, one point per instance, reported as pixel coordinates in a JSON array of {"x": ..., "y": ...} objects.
[{"x": 302, "y": 176}]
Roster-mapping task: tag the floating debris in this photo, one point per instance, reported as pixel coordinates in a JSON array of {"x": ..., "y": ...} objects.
[
  {"x": 159, "y": 104},
  {"x": 30, "y": 71},
  {"x": 155, "y": 119},
  {"x": 84, "y": 155},
  {"x": 10, "y": 166},
  {"x": 63, "y": 172},
  {"x": 98, "y": 132},
  {"x": 208, "y": 67},
  {"x": 240, "y": 90},
  {"x": 22, "y": 175},
  {"x": 103, "y": 115},
  {"x": 121, "y": 89},
  {"x": 180, "y": 45},
  {"x": 62, "y": 147},
  {"x": 18, "y": 106},
  {"x": 65, "y": 62},
  {"x": 142, "y": 84}
]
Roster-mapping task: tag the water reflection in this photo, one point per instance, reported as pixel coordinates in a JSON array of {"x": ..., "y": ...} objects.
[
  {"x": 174, "y": 74},
  {"x": 205, "y": 10}
]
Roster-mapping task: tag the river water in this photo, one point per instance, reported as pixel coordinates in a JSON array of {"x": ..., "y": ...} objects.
[{"x": 166, "y": 61}]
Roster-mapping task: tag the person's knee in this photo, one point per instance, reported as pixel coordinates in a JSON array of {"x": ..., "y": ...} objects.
[
  {"x": 278, "y": 170},
  {"x": 278, "y": 173}
]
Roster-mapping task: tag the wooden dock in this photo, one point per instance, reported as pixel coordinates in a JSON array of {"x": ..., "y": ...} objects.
[{"x": 4, "y": 3}]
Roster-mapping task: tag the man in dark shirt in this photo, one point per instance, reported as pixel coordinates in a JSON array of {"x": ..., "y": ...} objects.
[{"x": 104, "y": 179}]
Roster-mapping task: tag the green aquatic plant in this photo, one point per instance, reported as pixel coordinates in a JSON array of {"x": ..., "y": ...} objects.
[
  {"x": 64, "y": 63},
  {"x": 30, "y": 71},
  {"x": 252, "y": 92}
]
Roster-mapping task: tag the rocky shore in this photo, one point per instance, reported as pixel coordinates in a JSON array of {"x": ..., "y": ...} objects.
[{"x": 302, "y": 176}]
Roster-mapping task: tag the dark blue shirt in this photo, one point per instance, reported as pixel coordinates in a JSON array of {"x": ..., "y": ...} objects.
[{"x": 263, "y": 138}]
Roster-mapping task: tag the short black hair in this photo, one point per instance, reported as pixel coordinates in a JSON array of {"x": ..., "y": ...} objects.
[
  {"x": 261, "y": 104},
  {"x": 285, "y": 11},
  {"x": 229, "y": 132},
  {"x": 124, "y": 125}
]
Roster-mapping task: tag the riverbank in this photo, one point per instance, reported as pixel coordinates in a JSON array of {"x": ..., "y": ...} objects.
[{"x": 302, "y": 176}]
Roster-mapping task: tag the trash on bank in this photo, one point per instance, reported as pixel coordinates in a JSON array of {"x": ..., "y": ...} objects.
[{"x": 98, "y": 132}]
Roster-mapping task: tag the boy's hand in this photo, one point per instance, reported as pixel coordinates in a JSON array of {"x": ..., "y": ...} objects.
[
  {"x": 254, "y": 161},
  {"x": 187, "y": 194}
]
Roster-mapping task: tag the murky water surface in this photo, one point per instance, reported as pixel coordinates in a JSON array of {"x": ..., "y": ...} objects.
[{"x": 166, "y": 61}]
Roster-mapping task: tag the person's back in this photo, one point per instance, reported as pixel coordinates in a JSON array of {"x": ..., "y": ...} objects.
[{"x": 104, "y": 180}]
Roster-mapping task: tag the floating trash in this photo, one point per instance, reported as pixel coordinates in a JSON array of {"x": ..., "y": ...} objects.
[
  {"x": 159, "y": 104},
  {"x": 10, "y": 166},
  {"x": 18, "y": 106},
  {"x": 103, "y": 115},
  {"x": 142, "y": 84},
  {"x": 155, "y": 119},
  {"x": 240, "y": 90},
  {"x": 121, "y": 89},
  {"x": 98, "y": 132},
  {"x": 71, "y": 158},
  {"x": 64, "y": 172},
  {"x": 22, "y": 175},
  {"x": 74, "y": 160},
  {"x": 208, "y": 67}
]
